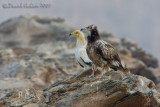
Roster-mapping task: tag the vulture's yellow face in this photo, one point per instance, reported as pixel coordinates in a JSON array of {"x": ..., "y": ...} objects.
[
  {"x": 80, "y": 37},
  {"x": 76, "y": 33}
]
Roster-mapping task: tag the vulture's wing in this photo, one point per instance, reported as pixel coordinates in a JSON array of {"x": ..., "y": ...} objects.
[
  {"x": 108, "y": 53},
  {"x": 83, "y": 57}
]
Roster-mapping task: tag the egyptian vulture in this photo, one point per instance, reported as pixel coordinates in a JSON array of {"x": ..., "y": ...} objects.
[{"x": 80, "y": 50}]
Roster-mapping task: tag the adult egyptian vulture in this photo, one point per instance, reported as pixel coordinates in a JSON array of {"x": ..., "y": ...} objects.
[
  {"x": 80, "y": 50},
  {"x": 101, "y": 53}
]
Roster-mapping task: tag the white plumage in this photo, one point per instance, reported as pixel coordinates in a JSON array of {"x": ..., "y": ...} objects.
[
  {"x": 82, "y": 57},
  {"x": 80, "y": 50}
]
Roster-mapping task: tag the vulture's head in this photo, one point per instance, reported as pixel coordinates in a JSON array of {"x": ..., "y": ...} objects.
[
  {"x": 76, "y": 33},
  {"x": 90, "y": 28},
  {"x": 94, "y": 35},
  {"x": 79, "y": 35}
]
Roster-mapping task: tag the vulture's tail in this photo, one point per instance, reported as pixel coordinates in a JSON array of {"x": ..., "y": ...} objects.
[
  {"x": 119, "y": 65},
  {"x": 124, "y": 68}
]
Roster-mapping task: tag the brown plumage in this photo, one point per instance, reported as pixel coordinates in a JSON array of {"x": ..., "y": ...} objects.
[{"x": 102, "y": 53}]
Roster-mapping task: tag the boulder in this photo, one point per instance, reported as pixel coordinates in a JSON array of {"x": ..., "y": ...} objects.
[
  {"x": 113, "y": 89},
  {"x": 148, "y": 59}
]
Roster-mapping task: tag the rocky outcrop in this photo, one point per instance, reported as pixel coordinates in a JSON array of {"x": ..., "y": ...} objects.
[
  {"x": 32, "y": 30},
  {"x": 113, "y": 89},
  {"x": 36, "y": 52},
  {"x": 140, "y": 54}
]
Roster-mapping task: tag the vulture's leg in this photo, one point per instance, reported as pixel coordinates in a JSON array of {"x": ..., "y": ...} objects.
[
  {"x": 106, "y": 68},
  {"x": 93, "y": 70}
]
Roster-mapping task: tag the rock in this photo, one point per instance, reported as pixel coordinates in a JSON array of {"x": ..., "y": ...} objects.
[
  {"x": 124, "y": 52},
  {"x": 6, "y": 53},
  {"x": 9, "y": 84},
  {"x": 133, "y": 64},
  {"x": 26, "y": 68},
  {"x": 110, "y": 39},
  {"x": 32, "y": 30},
  {"x": 24, "y": 98},
  {"x": 132, "y": 46},
  {"x": 139, "y": 53},
  {"x": 138, "y": 67},
  {"x": 114, "y": 89},
  {"x": 156, "y": 73},
  {"x": 148, "y": 59},
  {"x": 143, "y": 63},
  {"x": 22, "y": 51}
]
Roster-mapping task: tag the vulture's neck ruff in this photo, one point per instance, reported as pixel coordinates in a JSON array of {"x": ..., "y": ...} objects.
[
  {"x": 94, "y": 36},
  {"x": 81, "y": 41}
]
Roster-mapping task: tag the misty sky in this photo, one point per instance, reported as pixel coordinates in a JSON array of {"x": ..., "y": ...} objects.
[{"x": 138, "y": 20}]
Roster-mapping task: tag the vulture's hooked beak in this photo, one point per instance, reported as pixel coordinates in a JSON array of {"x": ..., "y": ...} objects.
[{"x": 70, "y": 34}]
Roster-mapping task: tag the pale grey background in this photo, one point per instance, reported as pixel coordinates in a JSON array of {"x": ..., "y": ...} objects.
[{"x": 138, "y": 20}]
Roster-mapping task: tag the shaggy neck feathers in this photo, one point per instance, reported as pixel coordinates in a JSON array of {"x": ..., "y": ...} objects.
[
  {"x": 81, "y": 40},
  {"x": 94, "y": 36}
]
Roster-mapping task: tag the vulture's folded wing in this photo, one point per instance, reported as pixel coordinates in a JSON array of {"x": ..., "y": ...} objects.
[
  {"x": 107, "y": 52},
  {"x": 84, "y": 57}
]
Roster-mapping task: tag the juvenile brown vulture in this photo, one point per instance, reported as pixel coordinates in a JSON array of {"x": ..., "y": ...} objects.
[{"x": 101, "y": 53}]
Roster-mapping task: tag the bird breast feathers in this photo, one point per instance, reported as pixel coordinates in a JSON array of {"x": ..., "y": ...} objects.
[{"x": 81, "y": 52}]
